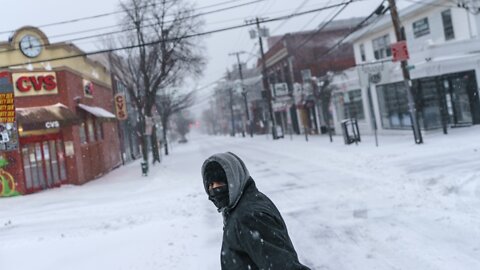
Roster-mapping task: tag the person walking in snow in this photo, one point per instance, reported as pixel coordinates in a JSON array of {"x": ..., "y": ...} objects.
[{"x": 254, "y": 233}]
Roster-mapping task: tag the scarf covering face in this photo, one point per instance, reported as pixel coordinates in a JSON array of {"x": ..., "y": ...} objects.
[
  {"x": 218, "y": 195},
  {"x": 236, "y": 175}
]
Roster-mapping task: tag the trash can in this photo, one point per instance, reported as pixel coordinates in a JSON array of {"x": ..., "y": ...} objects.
[
  {"x": 279, "y": 132},
  {"x": 350, "y": 131},
  {"x": 144, "y": 168}
]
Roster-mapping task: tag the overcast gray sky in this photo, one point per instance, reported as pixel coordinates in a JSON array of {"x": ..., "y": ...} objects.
[{"x": 15, "y": 14}]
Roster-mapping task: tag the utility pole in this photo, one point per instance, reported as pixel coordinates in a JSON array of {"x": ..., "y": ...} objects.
[
  {"x": 230, "y": 92},
  {"x": 244, "y": 92},
  {"x": 417, "y": 133},
  {"x": 266, "y": 85}
]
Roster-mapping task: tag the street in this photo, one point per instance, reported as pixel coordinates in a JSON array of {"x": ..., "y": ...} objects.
[{"x": 399, "y": 206}]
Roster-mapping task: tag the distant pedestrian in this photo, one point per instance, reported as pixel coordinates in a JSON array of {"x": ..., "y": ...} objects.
[{"x": 254, "y": 233}]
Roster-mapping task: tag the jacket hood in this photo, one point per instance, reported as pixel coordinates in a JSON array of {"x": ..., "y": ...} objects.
[{"x": 236, "y": 172}]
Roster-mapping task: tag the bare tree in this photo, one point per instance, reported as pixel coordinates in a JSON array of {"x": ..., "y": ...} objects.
[
  {"x": 163, "y": 53},
  {"x": 324, "y": 95},
  {"x": 168, "y": 103}
]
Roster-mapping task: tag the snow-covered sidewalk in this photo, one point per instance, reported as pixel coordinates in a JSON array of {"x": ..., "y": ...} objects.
[{"x": 399, "y": 206}]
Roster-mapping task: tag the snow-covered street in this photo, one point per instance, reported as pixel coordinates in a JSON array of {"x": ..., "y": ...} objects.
[{"x": 399, "y": 206}]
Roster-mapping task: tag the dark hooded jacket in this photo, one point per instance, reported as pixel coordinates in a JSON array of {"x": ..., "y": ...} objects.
[{"x": 254, "y": 233}]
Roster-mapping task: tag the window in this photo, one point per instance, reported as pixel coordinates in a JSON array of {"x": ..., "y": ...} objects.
[
  {"x": 448, "y": 25},
  {"x": 392, "y": 99},
  {"x": 421, "y": 28},
  {"x": 381, "y": 47},
  {"x": 99, "y": 129},
  {"x": 428, "y": 102},
  {"x": 88, "y": 88},
  {"x": 349, "y": 105},
  {"x": 91, "y": 130},
  {"x": 362, "y": 53},
  {"x": 83, "y": 134}
]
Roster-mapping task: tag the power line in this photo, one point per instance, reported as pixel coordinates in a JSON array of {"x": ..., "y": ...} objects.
[
  {"x": 113, "y": 13},
  {"x": 116, "y": 25},
  {"x": 313, "y": 18},
  {"x": 322, "y": 27},
  {"x": 296, "y": 10},
  {"x": 81, "y": 19},
  {"x": 431, "y": 4},
  {"x": 175, "y": 39},
  {"x": 378, "y": 10},
  {"x": 312, "y": 35},
  {"x": 277, "y": 28},
  {"x": 148, "y": 25},
  {"x": 255, "y": 45}
]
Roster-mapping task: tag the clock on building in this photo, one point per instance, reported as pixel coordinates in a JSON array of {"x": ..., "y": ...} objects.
[{"x": 30, "y": 46}]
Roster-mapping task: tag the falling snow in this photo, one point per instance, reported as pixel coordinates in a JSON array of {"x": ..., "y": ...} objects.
[{"x": 399, "y": 206}]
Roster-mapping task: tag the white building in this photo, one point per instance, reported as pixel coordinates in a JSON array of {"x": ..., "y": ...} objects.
[{"x": 444, "y": 46}]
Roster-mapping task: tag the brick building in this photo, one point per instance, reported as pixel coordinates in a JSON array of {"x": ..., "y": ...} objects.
[
  {"x": 293, "y": 56},
  {"x": 67, "y": 132}
]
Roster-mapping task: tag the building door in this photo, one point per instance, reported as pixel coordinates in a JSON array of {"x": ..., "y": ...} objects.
[
  {"x": 460, "y": 98},
  {"x": 43, "y": 162}
]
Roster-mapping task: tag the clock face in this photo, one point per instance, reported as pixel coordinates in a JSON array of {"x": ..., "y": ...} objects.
[{"x": 30, "y": 46}]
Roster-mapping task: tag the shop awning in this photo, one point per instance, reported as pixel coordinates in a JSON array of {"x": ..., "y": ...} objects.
[
  {"x": 45, "y": 117},
  {"x": 97, "y": 111}
]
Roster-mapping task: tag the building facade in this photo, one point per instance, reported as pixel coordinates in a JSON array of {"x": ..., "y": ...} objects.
[
  {"x": 294, "y": 61},
  {"x": 443, "y": 41},
  {"x": 67, "y": 130},
  {"x": 235, "y": 95}
]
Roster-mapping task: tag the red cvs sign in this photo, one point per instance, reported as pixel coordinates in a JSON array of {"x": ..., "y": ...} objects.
[
  {"x": 37, "y": 83},
  {"x": 121, "y": 107},
  {"x": 400, "y": 51}
]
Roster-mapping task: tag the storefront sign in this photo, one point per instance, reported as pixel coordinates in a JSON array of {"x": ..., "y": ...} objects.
[
  {"x": 121, "y": 107},
  {"x": 52, "y": 124},
  {"x": 88, "y": 88},
  {"x": 35, "y": 84},
  {"x": 69, "y": 150},
  {"x": 373, "y": 73},
  {"x": 281, "y": 89},
  {"x": 8, "y": 126}
]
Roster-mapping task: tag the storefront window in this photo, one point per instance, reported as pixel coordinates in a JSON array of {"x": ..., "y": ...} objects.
[
  {"x": 91, "y": 130},
  {"x": 46, "y": 160},
  {"x": 460, "y": 101},
  {"x": 99, "y": 129},
  {"x": 429, "y": 104},
  {"x": 392, "y": 99},
  {"x": 27, "y": 168},
  {"x": 39, "y": 158},
  {"x": 35, "y": 169},
  {"x": 61, "y": 160},
  {"x": 83, "y": 135},
  {"x": 53, "y": 151}
]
